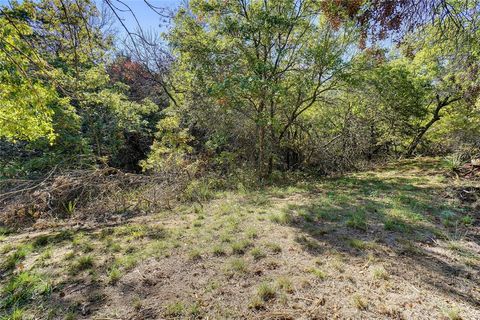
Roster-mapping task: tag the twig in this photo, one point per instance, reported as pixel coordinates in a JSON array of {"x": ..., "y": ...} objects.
[{"x": 28, "y": 189}]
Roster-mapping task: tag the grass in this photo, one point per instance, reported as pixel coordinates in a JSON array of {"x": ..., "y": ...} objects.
[
  {"x": 284, "y": 284},
  {"x": 452, "y": 313},
  {"x": 225, "y": 238},
  {"x": 309, "y": 243},
  {"x": 194, "y": 255},
  {"x": 283, "y": 218},
  {"x": 240, "y": 247},
  {"x": 218, "y": 250},
  {"x": 197, "y": 224},
  {"x": 18, "y": 256},
  {"x": 260, "y": 250},
  {"x": 453, "y": 162},
  {"x": 114, "y": 274},
  {"x": 361, "y": 244},
  {"x": 318, "y": 273},
  {"x": 137, "y": 303},
  {"x": 237, "y": 265},
  {"x": 266, "y": 291},
  {"x": 274, "y": 247},
  {"x": 360, "y": 302},
  {"x": 22, "y": 288},
  {"x": 395, "y": 224},
  {"x": 379, "y": 273},
  {"x": 338, "y": 264},
  {"x": 251, "y": 233},
  {"x": 357, "y": 220},
  {"x": 257, "y": 253},
  {"x": 467, "y": 220},
  {"x": 175, "y": 309},
  {"x": 82, "y": 263},
  {"x": 256, "y": 303},
  {"x": 112, "y": 245}
]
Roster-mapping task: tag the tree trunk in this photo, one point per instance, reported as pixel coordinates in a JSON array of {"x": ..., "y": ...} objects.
[
  {"x": 419, "y": 136},
  {"x": 261, "y": 151},
  {"x": 436, "y": 116}
]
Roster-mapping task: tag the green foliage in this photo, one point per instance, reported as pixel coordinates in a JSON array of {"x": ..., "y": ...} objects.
[
  {"x": 198, "y": 190},
  {"x": 237, "y": 265},
  {"x": 266, "y": 291},
  {"x": 61, "y": 105},
  {"x": 360, "y": 302},
  {"x": 257, "y": 253},
  {"x": 357, "y": 220},
  {"x": 12, "y": 260},
  {"x": 170, "y": 152},
  {"x": 453, "y": 162},
  {"x": 252, "y": 88},
  {"x": 22, "y": 288},
  {"x": 114, "y": 275},
  {"x": 82, "y": 263},
  {"x": 235, "y": 87},
  {"x": 26, "y": 112},
  {"x": 318, "y": 273},
  {"x": 241, "y": 246}
]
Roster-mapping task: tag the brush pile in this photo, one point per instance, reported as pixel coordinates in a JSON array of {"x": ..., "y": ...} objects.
[
  {"x": 100, "y": 195},
  {"x": 470, "y": 170}
]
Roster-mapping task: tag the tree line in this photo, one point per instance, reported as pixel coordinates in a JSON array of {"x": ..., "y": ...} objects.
[{"x": 259, "y": 86}]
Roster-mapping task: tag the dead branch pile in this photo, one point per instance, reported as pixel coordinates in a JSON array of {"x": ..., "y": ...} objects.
[
  {"x": 85, "y": 194},
  {"x": 470, "y": 171},
  {"x": 467, "y": 194}
]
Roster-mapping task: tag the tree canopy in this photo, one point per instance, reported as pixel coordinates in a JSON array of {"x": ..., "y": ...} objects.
[{"x": 270, "y": 85}]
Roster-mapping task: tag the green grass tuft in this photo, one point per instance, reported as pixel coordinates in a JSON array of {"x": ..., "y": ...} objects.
[
  {"x": 359, "y": 302},
  {"x": 266, "y": 291},
  {"x": 257, "y": 253},
  {"x": 175, "y": 309},
  {"x": 218, "y": 250},
  {"x": 114, "y": 275},
  {"x": 237, "y": 265},
  {"x": 81, "y": 264},
  {"x": 318, "y": 273},
  {"x": 23, "y": 288},
  {"x": 357, "y": 220},
  {"x": 240, "y": 247}
]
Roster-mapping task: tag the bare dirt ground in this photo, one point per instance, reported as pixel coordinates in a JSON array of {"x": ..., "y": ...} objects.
[{"x": 399, "y": 242}]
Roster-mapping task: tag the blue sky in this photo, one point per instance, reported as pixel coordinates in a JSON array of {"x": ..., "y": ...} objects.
[{"x": 147, "y": 18}]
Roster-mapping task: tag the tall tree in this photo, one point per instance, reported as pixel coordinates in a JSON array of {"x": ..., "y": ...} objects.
[
  {"x": 66, "y": 49},
  {"x": 451, "y": 66},
  {"x": 253, "y": 68}
]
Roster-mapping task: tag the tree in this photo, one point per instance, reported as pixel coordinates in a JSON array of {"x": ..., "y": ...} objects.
[
  {"x": 451, "y": 66},
  {"x": 251, "y": 69},
  {"x": 65, "y": 52},
  {"x": 26, "y": 112},
  {"x": 390, "y": 97}
]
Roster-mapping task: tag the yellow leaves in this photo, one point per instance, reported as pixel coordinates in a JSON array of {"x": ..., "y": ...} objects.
[
  {"x": 169, "y": 123},
  {"x": 25, "y": 113},
  {"x": 170, "y": 149}
]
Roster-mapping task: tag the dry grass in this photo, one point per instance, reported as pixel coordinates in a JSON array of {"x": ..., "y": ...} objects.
[{"x": 391, "y": 243}]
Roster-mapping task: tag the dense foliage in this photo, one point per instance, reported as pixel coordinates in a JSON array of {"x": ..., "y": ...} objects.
[{"x": 258, "y": 85}]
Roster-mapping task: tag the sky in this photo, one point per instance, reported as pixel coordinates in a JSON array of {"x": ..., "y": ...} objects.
[{"x": 147, "y": 18}]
